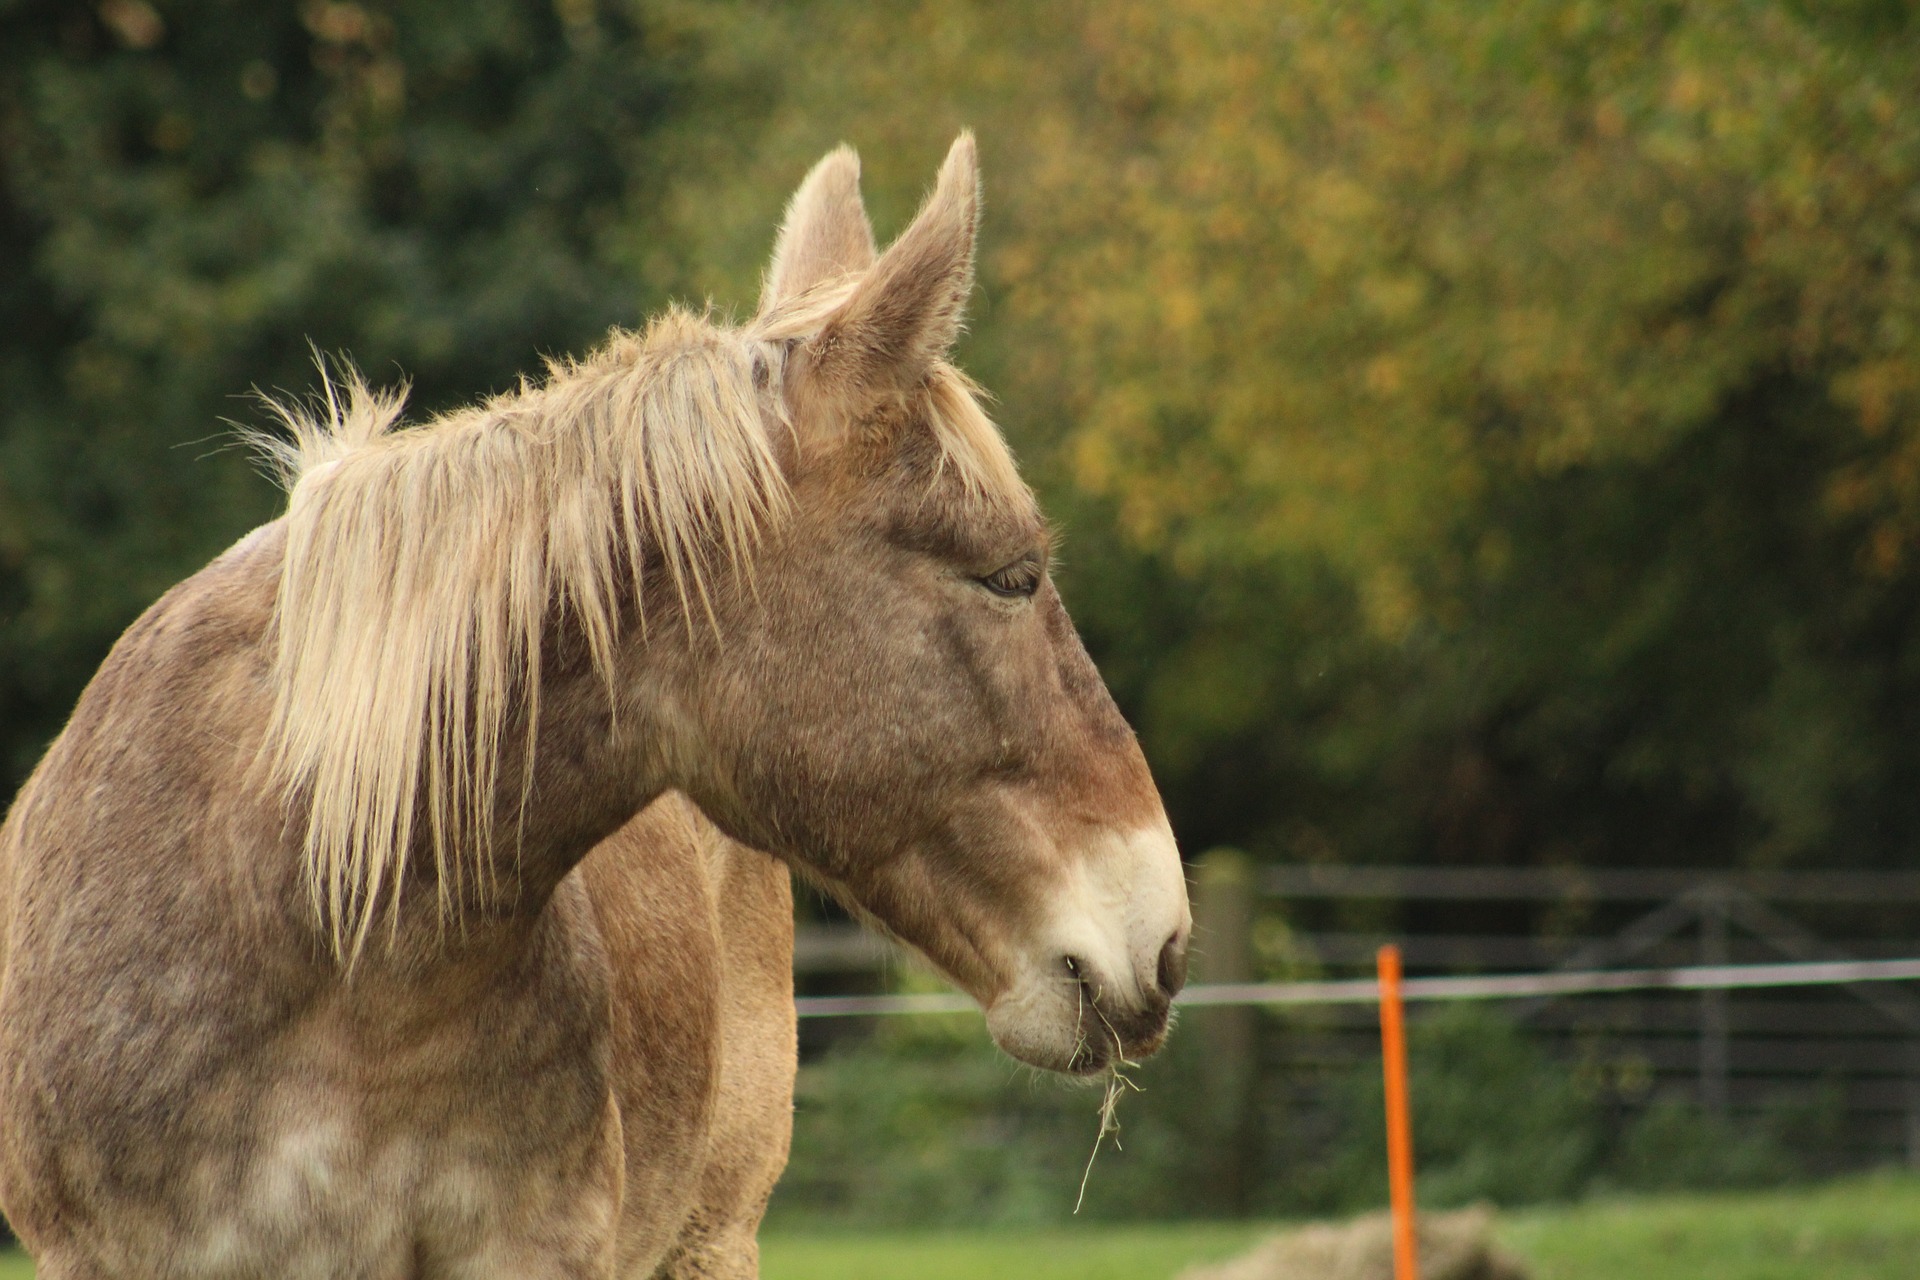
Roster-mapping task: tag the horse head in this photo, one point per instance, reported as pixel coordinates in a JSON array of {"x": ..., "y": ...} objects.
[{"x": 897, "y": 703}]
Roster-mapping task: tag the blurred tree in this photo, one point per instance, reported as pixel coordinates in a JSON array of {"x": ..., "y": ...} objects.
[
  {"x": 1486, "y": 432},
  {"x": 191, "y": 191},
  {"x": 1483, "y": 432},
  {"x": 1578, "y": 342}
]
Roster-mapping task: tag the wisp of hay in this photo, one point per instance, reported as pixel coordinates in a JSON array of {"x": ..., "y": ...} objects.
[{"x": 1117, "y": 1083}]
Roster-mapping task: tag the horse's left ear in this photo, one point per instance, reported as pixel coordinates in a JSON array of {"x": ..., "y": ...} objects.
[
  {"x": 825, "y": 233},
  {"x": 906, "y": 312}
]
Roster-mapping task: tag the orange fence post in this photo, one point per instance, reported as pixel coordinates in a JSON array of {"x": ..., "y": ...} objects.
[{"x": 1393, "y": 1045}]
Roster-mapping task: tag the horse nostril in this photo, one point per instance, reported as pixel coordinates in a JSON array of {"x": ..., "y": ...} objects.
[{"x": 1173, "y": 966}]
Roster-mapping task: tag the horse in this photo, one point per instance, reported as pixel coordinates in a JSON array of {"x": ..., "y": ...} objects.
[{"x": 408, "y": 894}]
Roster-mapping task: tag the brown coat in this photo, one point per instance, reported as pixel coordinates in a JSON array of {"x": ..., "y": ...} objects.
[{"x": 205, "y": 1094}]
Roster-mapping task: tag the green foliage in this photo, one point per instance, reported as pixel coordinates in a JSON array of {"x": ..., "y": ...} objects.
[
  {"x": 1569, "y": 340},
  {"x": 1496, "y": 1119},
  {"x": 927, "y": 1125},
  {"x": 934, "y": 1131},
  {"x": 192, "y": 192},
  {"x": 1674, "y": 1144}
]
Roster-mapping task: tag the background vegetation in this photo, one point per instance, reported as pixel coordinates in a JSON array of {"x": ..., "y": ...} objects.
[
  {"x": 1482, "y": 434},
  {"x": 926, "y": 1123}
]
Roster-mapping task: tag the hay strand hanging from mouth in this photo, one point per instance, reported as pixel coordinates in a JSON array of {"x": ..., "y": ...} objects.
[{"x": 1118, "y": 1082}]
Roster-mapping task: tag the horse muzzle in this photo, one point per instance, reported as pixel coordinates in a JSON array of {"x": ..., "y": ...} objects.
[{"x": 1098, "y": 988}]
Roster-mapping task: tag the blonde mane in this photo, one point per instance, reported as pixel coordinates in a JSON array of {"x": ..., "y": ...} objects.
[{"x": 423, "y": 567}]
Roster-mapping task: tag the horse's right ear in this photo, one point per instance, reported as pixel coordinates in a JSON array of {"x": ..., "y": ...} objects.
[
  {"x": 825, "y": 234},
  {"x": 906, "y": 311}
]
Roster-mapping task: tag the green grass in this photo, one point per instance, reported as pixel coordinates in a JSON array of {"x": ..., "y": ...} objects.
[
  {"x": 1092, "y": 1252},
  {"x": 1859, "y": 1229}
]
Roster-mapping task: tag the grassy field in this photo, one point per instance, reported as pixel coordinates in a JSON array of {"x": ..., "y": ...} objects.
[
  {"x": 1078, "y": 1253},
  {"x": 1860, "y": 1229}
]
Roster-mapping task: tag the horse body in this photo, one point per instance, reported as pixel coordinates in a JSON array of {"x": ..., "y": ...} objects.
[
  {"x": 195, "y": 1090},
  {"x": 407, "y": 896}
]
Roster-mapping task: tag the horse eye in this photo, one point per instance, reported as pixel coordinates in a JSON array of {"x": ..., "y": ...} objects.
[{"x": 1017, "y": 580}]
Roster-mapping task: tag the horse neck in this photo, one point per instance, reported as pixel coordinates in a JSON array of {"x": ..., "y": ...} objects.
[{"x": 597, "y": 759}]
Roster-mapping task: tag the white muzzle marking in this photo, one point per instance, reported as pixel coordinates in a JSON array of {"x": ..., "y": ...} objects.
[{"x": 1119, "y": 905}]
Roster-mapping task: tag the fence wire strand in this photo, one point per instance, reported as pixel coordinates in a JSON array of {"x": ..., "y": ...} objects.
[{"x": 1507, "y": 986}]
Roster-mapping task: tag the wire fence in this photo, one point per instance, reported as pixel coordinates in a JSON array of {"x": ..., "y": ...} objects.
[
  {"x": 1508, "y": 986},
  {"x": 1747, "y": 994}
]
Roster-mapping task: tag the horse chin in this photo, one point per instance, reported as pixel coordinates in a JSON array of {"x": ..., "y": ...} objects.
[
  {"x": 1061, "y": 1053},
  {"x": 1044, "y": 1028}
]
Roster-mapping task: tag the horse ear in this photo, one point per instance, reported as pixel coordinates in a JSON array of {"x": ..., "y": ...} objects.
[
  {"x": 825, "y": 233},
  {"x": 906, "y": 312}
]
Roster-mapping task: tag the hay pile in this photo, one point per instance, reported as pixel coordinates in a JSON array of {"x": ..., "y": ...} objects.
[{"x": 1453, "y": 1246}]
